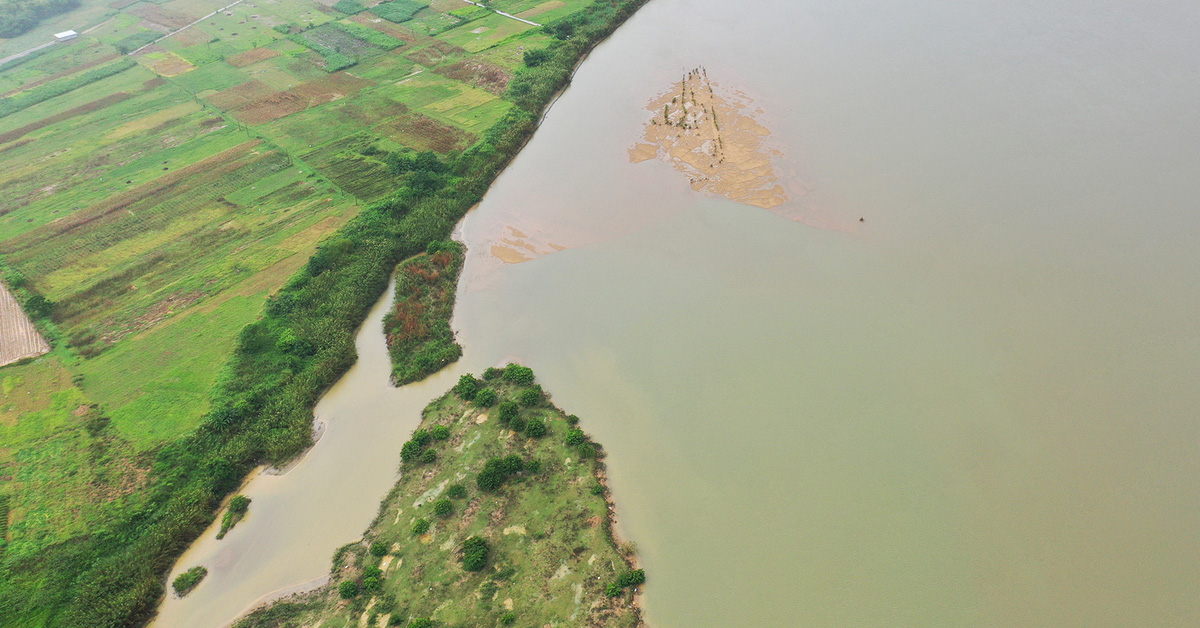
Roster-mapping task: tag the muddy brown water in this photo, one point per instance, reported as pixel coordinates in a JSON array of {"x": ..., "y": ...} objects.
[{"x": 978, "y": 406}]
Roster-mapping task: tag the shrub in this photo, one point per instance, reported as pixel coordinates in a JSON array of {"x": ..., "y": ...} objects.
[
  {"x": 597, "y": 489},
  {"x": 493, "y": 372},
  {"x": 440, "y": 432},
  {"x": 411, "y": 451},
  {"x": 534, "y": 58},
  {"x": 612, "y": 590},
  {"x": 572, "y": 419},
  {"x": 238, "y": 504},
  {"x": 420, "y": 526},
  {"x": 475, "y": 554},
  {"x": 467, "y": 386},
  {"x": 586, "y": 450},
  {"x": 497, "y": 470},
  {"x": 507, "y": 412},
  {"x": 574, "y": 437},
  {"x": 632, "y": 578},
  {"x": 518, "y": 374},
  {"x": 443, "y": 508},
  {"x": 533, "y": 466},
  {"x": 517, "y": 424},
  {"x": 379, "y": 549},
  {"x": 422, "y": 622},
  {"x": 485, "y": 398},
  {"x": 429, "y": 456},
  {"x": 371, "y": 584},
  {"x": 508, "y": 618},
  {"x": 535, "y": 428},
  {"x": 422, "y": 437},
  {"x": 456, "y": 491},
  {"x": 348, "y": 589},
  {"x": 186, "y": 581},
  {"x": 531, "y": 396}
]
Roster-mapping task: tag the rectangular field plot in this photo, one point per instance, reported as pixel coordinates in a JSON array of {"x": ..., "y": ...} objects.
[
  {"x": 485, "y": 32},
  {"x": 19, "y": 339}
]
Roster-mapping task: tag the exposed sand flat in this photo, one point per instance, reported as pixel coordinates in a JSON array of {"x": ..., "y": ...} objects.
[
  {"x": 18, "y": 337},
  {"x": 518, "y": 246},
  {"x": 710, "y": 135}
]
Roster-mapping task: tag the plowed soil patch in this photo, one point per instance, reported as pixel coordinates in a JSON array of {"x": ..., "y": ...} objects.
[
  {"x": 166, "y": 17},
  {"x": 385, "y": 27},
  {"x": 281, "y": 104},
  {"x": 424, "y": 133},
  {"x": 240, "y": 95},
  {"x": 251, "y": 56},
  {"x": 492, "y": 78}
]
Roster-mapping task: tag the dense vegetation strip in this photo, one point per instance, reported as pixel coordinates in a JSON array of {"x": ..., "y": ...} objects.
[
  {"x": 417, "y": 327},
  {"x": 262, "y": 404},
  {"x": 500, "y": 517}
]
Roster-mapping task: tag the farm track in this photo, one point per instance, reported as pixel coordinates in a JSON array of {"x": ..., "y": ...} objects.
[{"x": 18, "y": 337}]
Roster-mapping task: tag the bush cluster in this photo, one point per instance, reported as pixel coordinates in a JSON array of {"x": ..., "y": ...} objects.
[
  {"x": 517, "y": 374},
  {"x": 475, "y": 554},
  {"x": 467, "y": 387},
  {"x": 485, "y": 398},
  {"x": 497, "y": 471}
]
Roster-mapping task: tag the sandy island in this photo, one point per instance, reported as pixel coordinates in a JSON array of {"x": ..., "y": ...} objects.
[{"x": 710, "y": 135}]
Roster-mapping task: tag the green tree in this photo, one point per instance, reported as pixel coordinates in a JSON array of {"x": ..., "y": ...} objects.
[
  {"x": 348, "y": 589},
  {"x": 420, "y": 526},
  {"x": 475, "y": 554},
  {"x": 485, "y": 398},
  {"x": 535, "y": 428},
  {"x": 467, "y": 386},
  {"x": 443, "y": 507}
]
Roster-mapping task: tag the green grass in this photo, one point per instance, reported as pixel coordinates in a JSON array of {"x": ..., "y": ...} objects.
[{"x": 551, "y": 553}]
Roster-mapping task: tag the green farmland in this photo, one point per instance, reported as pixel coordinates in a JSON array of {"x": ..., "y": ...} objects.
[{"x": 153, "y": 203}]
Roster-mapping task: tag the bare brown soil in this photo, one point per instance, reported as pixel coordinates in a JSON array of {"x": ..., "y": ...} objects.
[
  {"x": 284, "y": 103},
  {"x": 240, "y": 95},
  {"x": 170, "y": 65},
  {"x": 387, "y": 28},
  {"x": 172, "y": 20},
  {"x": 435, "y": 53},
  {"x": 252, "y": 56},
  {"x": 492, "y": 78},
  {"x": 424, "y": 133}
]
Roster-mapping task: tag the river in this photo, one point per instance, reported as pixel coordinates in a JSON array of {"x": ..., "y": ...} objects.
[{"x": 975, "y": 407}]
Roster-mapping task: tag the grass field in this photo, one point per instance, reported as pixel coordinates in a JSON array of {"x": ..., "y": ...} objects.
[
  {"x": 159, "y": 207},
  {"x": 550, "y": 559}
]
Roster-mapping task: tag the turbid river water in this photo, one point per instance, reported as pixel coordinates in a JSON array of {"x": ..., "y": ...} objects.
[{"x": 979, "y": 406}]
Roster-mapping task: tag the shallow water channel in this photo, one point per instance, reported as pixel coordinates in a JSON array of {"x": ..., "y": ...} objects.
[{"x": 975, "y": 407}]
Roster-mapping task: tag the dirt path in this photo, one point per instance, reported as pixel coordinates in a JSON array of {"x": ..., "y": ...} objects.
[
  {"x": 18, "y": 337},
  {"x": 508, "y": 15}
]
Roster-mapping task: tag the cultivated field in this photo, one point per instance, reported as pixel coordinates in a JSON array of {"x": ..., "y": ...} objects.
[{"x": 18, "y": 337}]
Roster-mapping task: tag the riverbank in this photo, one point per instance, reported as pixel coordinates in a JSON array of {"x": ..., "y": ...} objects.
[{"x": 522, "y": 477}]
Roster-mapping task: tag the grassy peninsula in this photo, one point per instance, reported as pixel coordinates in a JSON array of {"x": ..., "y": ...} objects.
[
  {"x": 320, "y": 177},
  {"x": 500, "y": 518}
]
